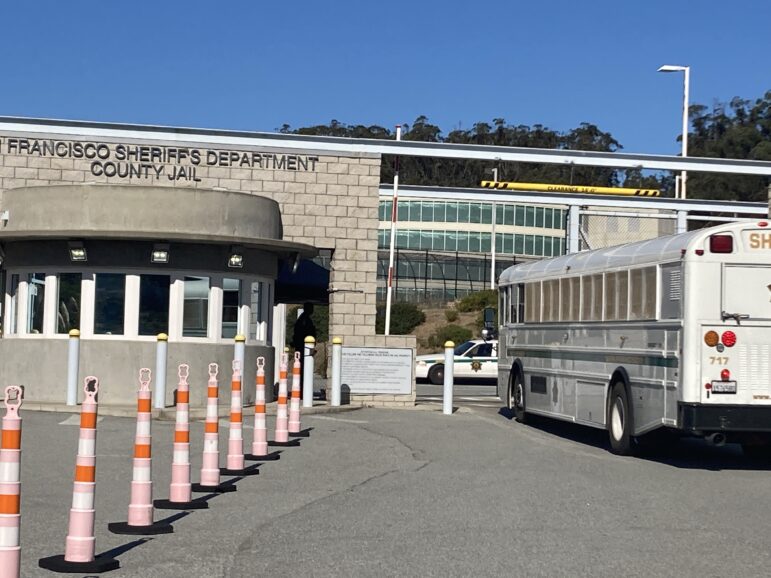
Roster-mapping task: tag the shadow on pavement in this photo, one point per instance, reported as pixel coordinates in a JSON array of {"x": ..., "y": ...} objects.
[{"x": 671, "y": 450}]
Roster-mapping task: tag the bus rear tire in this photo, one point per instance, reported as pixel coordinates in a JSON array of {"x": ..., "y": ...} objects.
[
  {"x": 516, "y": 401},
  {"x": 619, "y": 421}
]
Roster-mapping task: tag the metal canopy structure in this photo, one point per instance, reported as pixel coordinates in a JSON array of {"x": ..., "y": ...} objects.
[
  {"x": 575, "y": 199},
  {"x": 340, "y": 145}
]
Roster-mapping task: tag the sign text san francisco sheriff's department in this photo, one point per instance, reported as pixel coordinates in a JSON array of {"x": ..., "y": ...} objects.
[{"x": 129, "y": 161}]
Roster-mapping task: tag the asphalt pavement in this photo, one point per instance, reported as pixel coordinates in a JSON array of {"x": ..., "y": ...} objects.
[{"x": 378, "y": 492}]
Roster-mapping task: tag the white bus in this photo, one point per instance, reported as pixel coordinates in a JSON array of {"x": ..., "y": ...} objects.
[{"x": 674, "y": 332}]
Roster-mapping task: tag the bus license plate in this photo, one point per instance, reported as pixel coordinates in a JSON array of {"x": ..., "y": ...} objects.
[{"x": 723, "y": 387}]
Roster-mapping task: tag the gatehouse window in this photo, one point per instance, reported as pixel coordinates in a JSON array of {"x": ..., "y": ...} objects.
[
  {"x": 36, "y": 291},
  {"x": 68, "y": 302},
  {"x": 153, "y": 304},
  {"x": 109, "y": 303},
  {"x": 231, "y": 302},
  {"x": 195, "y": 311}
]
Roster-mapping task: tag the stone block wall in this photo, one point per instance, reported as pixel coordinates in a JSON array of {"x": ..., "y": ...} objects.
[{"x": 333, "y": 206}]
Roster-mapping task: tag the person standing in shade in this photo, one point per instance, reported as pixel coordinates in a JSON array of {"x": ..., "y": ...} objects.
[{"x": 303, "y": 327}]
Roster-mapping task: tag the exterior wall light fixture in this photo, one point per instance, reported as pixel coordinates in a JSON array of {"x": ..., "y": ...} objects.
[
  {"x": 236, "y": 259},
  {"x": 77, "y": 251},
  {"x": 160, "y": 253}
]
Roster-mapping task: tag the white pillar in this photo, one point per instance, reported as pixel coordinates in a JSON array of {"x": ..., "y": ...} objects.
[
  {"x": 161, "y": 355},
  {"x": 337, "y": 373},
  {"x": 240, "y": 354},
  {"x": 310, "y": 346},
  {"x": 681, "y": 226},
  {"x": 449, "y": 358},
  {"x": 73, "y": 366},
  {"x": 573, "y": 229}
]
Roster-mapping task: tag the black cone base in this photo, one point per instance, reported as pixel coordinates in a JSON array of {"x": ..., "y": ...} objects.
[
  {"x": 97, "y": 566},
  {"x": 271, "y": 457},
  {"x": 289, "y": 444},
  {"x": 301, "y": 434},
  {"x": 219, "y": 489},
  {"x": 248, "y": 471},
  {"x": 151, "y": 530},
  {"x": 191, "y": 505}
]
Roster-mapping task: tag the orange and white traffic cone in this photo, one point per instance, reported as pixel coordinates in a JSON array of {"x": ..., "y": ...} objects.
[
  {"x": 210, "y": 468},
  {"x": 180, "y": 492},
  {"x": 260, "y": 443},
  {"x": 235, "y": 461},
  {"x": 295, "y": 429},
  {"x": 140, "y": 512},
  {"x": 294, "y": 406},
  {"x": 282, "y": 418},
  {"x": 10, "y": 485},
  {"x": 79, "y": 552}
]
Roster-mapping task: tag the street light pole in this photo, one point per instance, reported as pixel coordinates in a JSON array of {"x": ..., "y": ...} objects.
[{"x": 686, "y": 70}]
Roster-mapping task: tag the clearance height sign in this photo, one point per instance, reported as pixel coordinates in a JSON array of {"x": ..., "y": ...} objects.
[{"x": 144, "y": 162}]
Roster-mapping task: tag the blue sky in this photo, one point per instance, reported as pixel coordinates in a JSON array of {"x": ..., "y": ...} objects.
[{"x": 256, "y": 65}]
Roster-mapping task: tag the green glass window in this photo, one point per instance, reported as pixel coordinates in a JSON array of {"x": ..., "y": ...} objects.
[
  {"x": 508, "y": 244},
  {"x": 548, "y": 218},
  {"x": 487, "y": 213},
  {"x": 529, "y": 245},
  {"x": 403, "y": 211},
  {"x": 428, "y": 211},
  {"x": 463, "y": 241},
  {"x": 402, "y": 239},
  {"x": 539, "y": 217},
  {"x": 437, "y": 240},
  {"x": 452, "y": 212},
  {"x": 519, "y": 244},
  {"x": 451, "y": 241},
  {"x": 509, "y": 215},
  {"x": 529, "y": 216},
  {"x": 548, "y": 246},
  {"x": 475, "y": 242},
  {"x": 463, "y": 212},
  {"x": 519, "y": 219},
  {"x": 538, "y": 249},
  {"x": 485, "y": 243},
  {"x": 475, "y": 213},
  {"x": 499, "y": 242},
  {"x": 499, "y": 212},
  {"x": 439, "y": 211},
  {"x": 559, "y": 219},
  {"x": 425, "y": 240}
]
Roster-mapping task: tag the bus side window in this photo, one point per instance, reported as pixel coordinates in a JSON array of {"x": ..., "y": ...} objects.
[{"x": 517, "y": 296}]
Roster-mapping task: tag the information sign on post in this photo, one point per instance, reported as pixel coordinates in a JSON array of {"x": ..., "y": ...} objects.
[{"x": 378, "y": 370}]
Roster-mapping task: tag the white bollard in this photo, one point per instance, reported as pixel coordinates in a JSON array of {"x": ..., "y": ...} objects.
[
  {"x": 337, "y": 370},
  {"x": 310, "y": 345},
  {"x": 240, "y": 353},
  {"x": 449, "y": 358},
  {"x": 73, "y": 366},
  {"x": 161, "y": 355}
]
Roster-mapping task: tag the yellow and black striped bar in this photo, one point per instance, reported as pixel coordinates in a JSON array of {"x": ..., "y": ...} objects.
[{"x": 547, "y": 188}]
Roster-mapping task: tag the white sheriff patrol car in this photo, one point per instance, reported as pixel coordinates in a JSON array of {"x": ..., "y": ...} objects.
[{"x": 473, "y": 359}]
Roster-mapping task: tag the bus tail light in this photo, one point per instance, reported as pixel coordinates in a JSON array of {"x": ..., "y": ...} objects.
[
  {"x": 725, "y": 375},
  {"x": 711, "y": 338},
  {"x": 728, "y": 338},
  {"x": 721, "y": 244}
]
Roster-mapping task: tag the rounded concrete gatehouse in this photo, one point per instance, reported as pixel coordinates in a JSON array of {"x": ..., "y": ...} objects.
[{"x": 125, "y": 263}]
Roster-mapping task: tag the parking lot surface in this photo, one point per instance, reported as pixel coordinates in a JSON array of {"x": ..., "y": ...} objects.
[{"x": 379, "y": 492}]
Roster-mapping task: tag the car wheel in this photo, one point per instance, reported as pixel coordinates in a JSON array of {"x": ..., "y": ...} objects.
[
  {"x": 619, "y": 421},
  {"x": 436, "y": 374},
  {"x": 517, "y": 398}
]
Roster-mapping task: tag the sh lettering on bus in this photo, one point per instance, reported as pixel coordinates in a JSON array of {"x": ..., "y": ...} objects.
[{"x": 760, "y": 240}]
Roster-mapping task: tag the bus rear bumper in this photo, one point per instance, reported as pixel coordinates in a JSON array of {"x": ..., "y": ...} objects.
[{"x": 695, "y": 418}]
